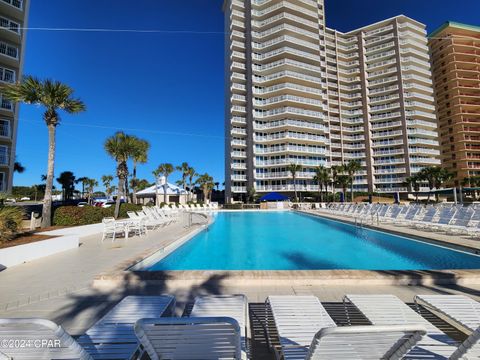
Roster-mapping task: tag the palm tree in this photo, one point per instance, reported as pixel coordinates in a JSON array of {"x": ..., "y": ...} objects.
[
  {"x": 139, "y": 156},
  {"x": 82, "y": 181},
  {"x": 206, "y": 183},
  {"x": 165, "y": 169},
  {"x": 18, "y": 167},
  {"x": 336, "y": 170},
  {"x": 191, "y": 174},
  {"x": 442, "y": 177},
  {"x": 184, "y": 169},
  {"x": 293, "y": 169},
  {"x": 343, "y": 181},
  {"x": 67, "y": 180},
  {"x": 414, "y": 182},
  {"x": 322, "y": 178},
  {"x": 156, "y": 173},
  {"x": 53, "y": 96},
  {"x": 351, "y": 169},
  {"x": 90, "y": 187},
  {"x": 120, "y": 147},
  {"x": 107, "y": 183},
  {"x": 428, "y": 174}
]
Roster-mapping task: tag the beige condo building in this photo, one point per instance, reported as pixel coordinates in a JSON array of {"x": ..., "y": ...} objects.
[
  {"x": 299, "y": 92},
  {"x": 455, "y": 51},
  {"x": 13, "y": 20}
]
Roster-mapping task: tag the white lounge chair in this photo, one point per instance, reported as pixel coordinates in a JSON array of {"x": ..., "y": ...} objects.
[
  {"x": 390, "y": 310},
  {"x": 232, "y": 306},
  {"x": 306, "y": 331},
  {"x": 190, "y": 338},
  {"x": 61, "y": 344},
  {"x": 111, "y": 228},
  {"x": 463, "y": 312},
  {"x": 113, "y": 336},
  {"x": 460, "y": 309}
]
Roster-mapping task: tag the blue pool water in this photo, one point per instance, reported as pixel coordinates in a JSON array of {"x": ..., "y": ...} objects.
[{"x": 290, "y": 241}]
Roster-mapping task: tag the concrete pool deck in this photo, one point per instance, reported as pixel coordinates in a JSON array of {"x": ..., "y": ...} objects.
[{"x": 59, "y": 287}]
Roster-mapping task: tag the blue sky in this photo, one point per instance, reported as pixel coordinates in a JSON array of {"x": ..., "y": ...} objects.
[{"x": 166, "y": 88}]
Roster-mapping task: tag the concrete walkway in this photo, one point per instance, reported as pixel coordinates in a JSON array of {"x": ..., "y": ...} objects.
[{"x": 70, "y": 272}]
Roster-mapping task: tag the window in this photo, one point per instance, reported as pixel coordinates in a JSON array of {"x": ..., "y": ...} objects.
[
  {"x": 7, "y": 75},
  {"x": 4, "y": 128},
  {"x": 8, "y": 50},
  {"x": 3, "y": 155},
  {"x": 3, "y": 182}
]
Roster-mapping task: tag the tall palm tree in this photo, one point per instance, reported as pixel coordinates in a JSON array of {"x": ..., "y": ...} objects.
[
  {"x": 414, "y": 183},
  {"x": 90, "y": 187},
  {"x": 351, "y": 169},
  {"x": 191, "y": 175},
  {"x": 184, "y": 169},
  {"x": 206, "y": 183},
  {"x": 294, "y": 169},
  {"x": 53, "y": 96},
  {"x": 165, "y": 170},
  {"x": 120, "y": 147},
  {"x": 322, "y": 178},
  {"x": 139, "y": 156},
  {"x": 107, "y": 183},
  {"x": 156, "y": 173},
  {"x": 336, "y": 170},
  {"x": 343, "y": 181},
  {"x": 428, "y": 174},
  {"x": 81, "y": 180}
]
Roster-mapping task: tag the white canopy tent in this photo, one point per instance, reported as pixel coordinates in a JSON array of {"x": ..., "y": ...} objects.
[{"x": 175, "y": 193}]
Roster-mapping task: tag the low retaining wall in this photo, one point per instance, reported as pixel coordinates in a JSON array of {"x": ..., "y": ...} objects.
[
  {"x": 66, "y": 239},
  {"x": 19, "y": 254}
]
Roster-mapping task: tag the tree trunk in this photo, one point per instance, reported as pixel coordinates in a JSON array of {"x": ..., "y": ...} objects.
[
  {"x": 47, "y": 200},
  {"x": 295, "y": 188},
  {"x": 165, "y": 187},
  {"x": 120, "y": 192},
  {"x": 320, "y": 188},
  {"x": 351, "y": 190},
  {"x": 134, "y": 188}
]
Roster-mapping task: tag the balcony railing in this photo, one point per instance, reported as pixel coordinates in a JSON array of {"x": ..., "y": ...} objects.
[
  {"x": 8, "y": 50},
  {"x": 15, "y": 3}
]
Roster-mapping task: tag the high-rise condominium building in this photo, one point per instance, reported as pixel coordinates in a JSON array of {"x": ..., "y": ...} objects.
[
  {"x": 299, "y": 92},
  {"x": 455, "y": 51},
  {"x": 13, "y": 19}
]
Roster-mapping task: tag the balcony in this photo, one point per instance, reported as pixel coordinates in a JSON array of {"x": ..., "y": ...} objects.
[
  {"x": 18, "y": 4},
  {"x": 9, "y": 25},
  {"x": 288, "y": 110},
  {"x": 236, "y": 177},
  {"x": 289, "y": 123},
  {"x": 7, "y": 75},
  {"x": 5, "y": 128},
  {"x": 239, "y": 189},
  {"x": 8, "y": 50},
  {"x": 239, "y": 166},
  {"x": 6, "y": 104},
  {"x": 285, "y": 16}
]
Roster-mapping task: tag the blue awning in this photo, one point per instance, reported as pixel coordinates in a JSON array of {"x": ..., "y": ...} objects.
[{"x": 273, "y": 197}]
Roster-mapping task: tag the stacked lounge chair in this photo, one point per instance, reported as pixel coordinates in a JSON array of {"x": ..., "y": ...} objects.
[
  {"x": 216, "y": 329},
  {"x": 306, "y": 331}
]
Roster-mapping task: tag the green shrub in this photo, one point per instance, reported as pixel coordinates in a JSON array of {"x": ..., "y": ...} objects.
[
  {"x": 75, "y": 216},
  {"x": 124, "y": 208},
  {"x": 10, "y": 222}
]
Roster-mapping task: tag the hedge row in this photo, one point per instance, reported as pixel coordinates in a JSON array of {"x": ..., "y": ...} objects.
[{"x": 74, "y": 215}]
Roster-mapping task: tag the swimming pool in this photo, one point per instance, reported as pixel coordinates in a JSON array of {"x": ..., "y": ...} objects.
[{"x": 292, "y": 241}]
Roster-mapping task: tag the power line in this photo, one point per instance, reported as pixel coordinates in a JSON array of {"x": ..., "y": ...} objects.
[
  {"x": 158, "y": 132},
  {"x": 198, "y": 32}
]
